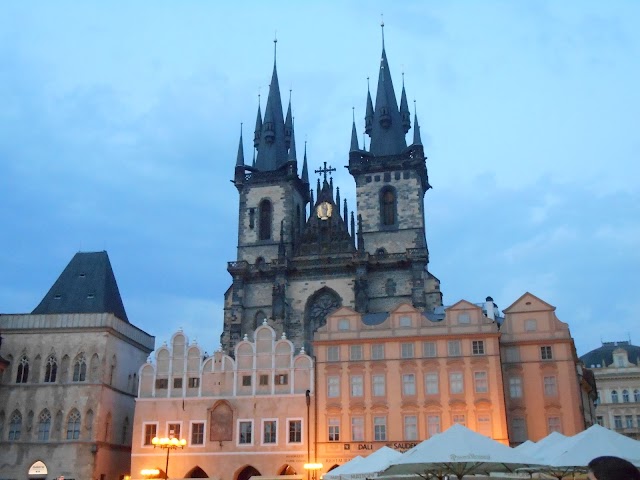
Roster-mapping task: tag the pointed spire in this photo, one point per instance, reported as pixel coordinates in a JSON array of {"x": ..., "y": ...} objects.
[
  {"x": 354, "y": 134},
  {"x": 292, "y": 149},
  {"x": 404, "y": 109},
  {"x": 240, "y": 160},
  {"x": 353, "y": 228},
  {"x": 368, "y": 117},
  {"x": 305, "y": 169},
  {"x": 416, "y": 128},
  {"x": 281, "y": 247},
  {"x": 257, "y": 134},
  {"x": 337, "y": 197},
  {"x": 288, "y": 125},
  {"x": 345, "y": 212},
  {"x": 311, "y": 201},
  {"x": 360, "y": 236}
]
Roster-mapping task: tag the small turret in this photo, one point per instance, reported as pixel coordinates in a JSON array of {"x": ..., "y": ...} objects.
[
  {"x": 368, "y": 117},
  {"x": 404, "y": 109},
  {"x": 288, "y": 125},
  {"x": 257, "y": 134},
  {"x": 354, "y": 136}
]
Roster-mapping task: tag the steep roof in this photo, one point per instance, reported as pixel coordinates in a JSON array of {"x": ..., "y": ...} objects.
[
  {"x": 87, "y": 285},
  {"x": 603, "y": 355}
]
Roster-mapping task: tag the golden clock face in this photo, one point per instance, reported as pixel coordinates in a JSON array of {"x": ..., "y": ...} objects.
[{"x": 324, "y": 210}]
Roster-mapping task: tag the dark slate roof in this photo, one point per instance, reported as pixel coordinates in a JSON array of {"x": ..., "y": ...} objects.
[
  {"x": 373, "y": 319},
  {"x": 604, "y": 354},
  {"x": 87, "y": 285}
]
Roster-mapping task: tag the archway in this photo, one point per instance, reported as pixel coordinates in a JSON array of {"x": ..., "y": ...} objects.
[
  {"x": 247, "y": 472},
  {"x": 287, "y": 470},
  {"x": 196, "y": 472}
]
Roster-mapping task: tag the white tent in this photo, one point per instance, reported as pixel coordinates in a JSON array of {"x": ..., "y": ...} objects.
[
  {"x": 458, "y": 451},
  {"x": 343, "y": 469},
  {"x": 367, "y": 467},
  {"x": 526, "y": 447},
  {"x": 596, "y": 441},
  {"x": 547, "y": 444}
]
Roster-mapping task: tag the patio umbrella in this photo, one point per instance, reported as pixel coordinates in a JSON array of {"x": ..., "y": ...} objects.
[
  {"x": 458, "y": 451},
  {"x": 343, "y": 469},
  {"x": 367, "y": 467}
]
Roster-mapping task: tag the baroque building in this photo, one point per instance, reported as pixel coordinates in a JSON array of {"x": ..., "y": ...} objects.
[
  {"x": 67, "y": 397},
  {"x": 301, "y": 252},
  {"x": 616, "y": 367}
]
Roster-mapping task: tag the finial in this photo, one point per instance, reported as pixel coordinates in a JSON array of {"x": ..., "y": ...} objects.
[
  {"x": 353, "y": 112},
  {"x": 264, "y": 321},
  {"x": 415, "y": 111},
  {"x": 368, "y": 86},
  {"x": 275, "y": 46},
  {"x": 403, "y": 74},
  {"x": 284, "y": 336},
  {"x": 290, "y": 89},
  {"x": 246, "y": 337},
  {"x": 302, "y": 350},
  {"x": 382, "y": 27}
]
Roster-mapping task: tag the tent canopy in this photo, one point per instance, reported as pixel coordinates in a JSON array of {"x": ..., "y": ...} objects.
[{"x": 367, "y": 467}]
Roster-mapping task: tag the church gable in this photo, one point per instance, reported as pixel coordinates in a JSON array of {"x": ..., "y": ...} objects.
[{"x": 529, "y": 303}]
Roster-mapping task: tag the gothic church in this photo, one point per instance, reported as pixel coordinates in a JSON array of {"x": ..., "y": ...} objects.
[{"x": 301, "y": 253}]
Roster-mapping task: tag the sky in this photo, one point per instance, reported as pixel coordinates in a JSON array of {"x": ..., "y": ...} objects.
[{"x": 119, "y": 128}]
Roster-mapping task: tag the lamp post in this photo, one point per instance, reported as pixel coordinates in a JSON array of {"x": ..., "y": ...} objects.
[
  {"x": 168, "y": 444},
  {"x": 313, "y": 468}
]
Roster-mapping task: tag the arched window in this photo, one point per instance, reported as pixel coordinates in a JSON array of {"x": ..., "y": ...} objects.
[
  {"x": 80, "y": 368},
  {"x": 15, "y": 425},
  {"x": 264, "y": 230},
  {"x": 319, "y": 306},
  {"x": 51, "y": 370},
  {"x": 614, "y": 396},
  {"x": 125, "y": 431},
  {"x": 388, "y": 206},
  {"x": 44, "y": 425},
  {"x": 73, "y": 425},
  {"x": 112, "y": 369},
  {"x": 23, "y": 370},
  {"x": 636, "y": 395},
  {"x": 625, "y": 396},
  {"x": 88, "y": 421}
]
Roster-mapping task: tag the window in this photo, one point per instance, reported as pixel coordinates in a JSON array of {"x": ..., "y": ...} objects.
[
  {"x": 124, "y": 438},
  {"x": 477, "y": 347},
  {"x": 433, "y": 424},
  {"x": 453, "y": 348},
  {"x": 460, "y": 419},
  {"x": 600, "y": 420},
  {"x": 617, "y": 421},
  {"x": 408, "y": 384},
  {"x": 80, "y": 369},
  {"x": 406, "y": 350},
  {"x": 264, "y": 380},
  {"x": 173, "y": 430},
  {"x": 355, "y": 352},
  {"x": 518, "y": 430},
  {"x": 484, "y": 425},
  {"x": 455, "y": 382},
  {"x": 357, "y": 429},
  {"x": 530, "y": 325},
  {"x": 388, "y": 207},
  {"x": 15, "y": 426},
  {"x": 343, "y": 324},
  {"x": 264, "y": 230},
  {"x": 550, "y": 387},
  {"x": 515, "y": 387},
  {"x": 546, "y": 353},
  {"x": 333, "y": 354},
  {"x": 429, "y": 349},
  {"x": 334, "y": 429},
  {"x": 619, "y": 360},
  {"x": 464, "y": 319},
  {"x": 628, "y": 421},
  {"x": 246, "y": 380},
  {"x": 431, "y": 383},
  {"x": 44, "y": 425},
  {"x": 150, "y": 431},
  {"x": 481, "y": 382},
  {"x": 269, "y": 429},
  {"x": 625, "y": 396},
  {"x": 194, "y": 382},
  {"x": 380, "y": 429},
  {"x": 356, "y": 385},
  {"x": 410, "y": 427},
  {"x": 554, "y": 425},
  {"x": 73, "y": 425},
  {"x": 512, "y": 354},
  {"x": 405, "y": 322},
  {"x": 377, "y": 352},
  {"x": 23, "y": 370},
  {"x": 177, "y": 383},
  {"x": 636, "y": 395},
  {"x": 51, "y": 369},
  {"x": 197, "y": 433},
  {"x": 333, "y": 387},
  {"x": 282, "y": 379},
  {"x": 378, "y": 385},
  {"x": 244, "y": 430},
  {"x": 295, "y": 431},
  {"x": 614, "y": 396},
  {"x": 162, "y": 383}
]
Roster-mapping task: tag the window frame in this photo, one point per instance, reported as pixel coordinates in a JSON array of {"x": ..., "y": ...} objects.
[
  {"x": 299, "y": 433},
  {"x": 239, "y": 424},
  {"x": 192, "y": 432},
  {"x": 273, "y": 433}
]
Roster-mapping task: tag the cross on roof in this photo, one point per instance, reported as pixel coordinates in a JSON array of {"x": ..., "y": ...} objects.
[{"x": 324, "y": 170}]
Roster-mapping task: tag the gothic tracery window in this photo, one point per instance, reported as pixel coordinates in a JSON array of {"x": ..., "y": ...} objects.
[
  {"x": 264, "y": 230},
  {"x": 80, "y": 369},
  {"x": 15, "y": 426},
  {"x": 23, "y": 370},
  {"x": 73, "y": 425},
  {"x": 388, "y": 207},
  {"x": 44, "y": 425},
  {"x": 51, "y": 369},
  {"x": 320, "y": 306}
]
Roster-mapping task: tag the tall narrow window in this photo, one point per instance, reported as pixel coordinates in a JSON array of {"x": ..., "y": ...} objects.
[
  {"x": 433, "y": 424},
  {"x": 380, "y": 429},
  {"x": 269, "y": 429},
  {"x": 388, "y": 207},
  {"x": 44, "y": 425},
  {"x": 150, "y": 431},
  {"x": 295, "y": 431},
  {"x": 15, "y": 426},
  {"x": 73, "y": 425},
  {"x": 80, "y": 369},
  {"x": 124, "y": 438},
  {"x": 264, "y": 231},
  {"x": 410, "y": 427},
  {"x": 51, "y": 369},
  {"x": 334, "y": 429},
  {"x": 357, "y": 429},
  {"x": 23, "y": 370},
  {"x": 245, "y": 437}
]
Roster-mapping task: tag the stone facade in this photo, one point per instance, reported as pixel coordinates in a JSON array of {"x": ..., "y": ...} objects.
[{"x": 240, "y": 416}]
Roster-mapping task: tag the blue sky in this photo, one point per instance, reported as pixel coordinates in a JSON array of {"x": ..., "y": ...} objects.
[{"x": 119, "y": 127}]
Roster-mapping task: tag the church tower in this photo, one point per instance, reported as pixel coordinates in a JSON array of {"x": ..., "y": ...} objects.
[{"x": 296, "y": 266}]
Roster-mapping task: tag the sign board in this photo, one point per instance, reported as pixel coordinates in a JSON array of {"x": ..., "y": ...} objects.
[{"x": 38, "y": 468}]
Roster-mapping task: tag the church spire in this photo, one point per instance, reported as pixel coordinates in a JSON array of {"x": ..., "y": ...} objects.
[
  {"x": 368, "y": 116},
  {"x": 416, "y": 128},
  {"x": 292, "y": 148},
  {"x": 305, "y": 169},
  {"x": 354, "y": 135},
  {"x": 240, "y": 159},
  {"x": 257, "y": 134},
  {"x": 404, "y": 109},
  {"x": 288, "y": 125}
]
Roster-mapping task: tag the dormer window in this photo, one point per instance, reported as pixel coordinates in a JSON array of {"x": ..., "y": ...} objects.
[
  {"x": 620, "y": 359},
  {"x": 464, "y": 319}
]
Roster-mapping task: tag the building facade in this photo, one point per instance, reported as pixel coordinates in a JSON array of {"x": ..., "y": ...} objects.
[
  {"x": 67, "y": 398},
  {"x": 241, "y": 416},
  {"x": 616, "y": 366}
]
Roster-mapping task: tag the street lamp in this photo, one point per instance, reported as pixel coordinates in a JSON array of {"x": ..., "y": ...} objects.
[
  {"x": 169, "y": 444},
  {"x": 313, "y": 468}
]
